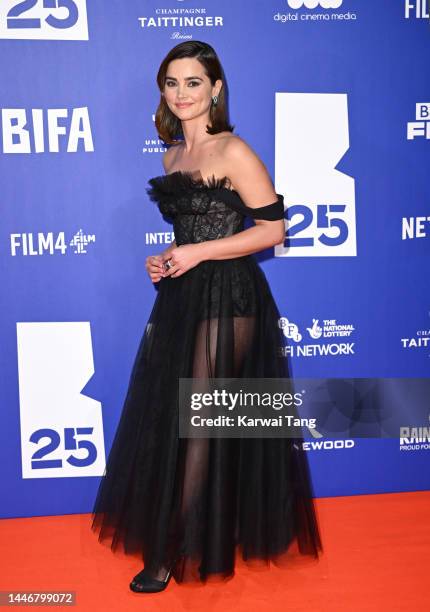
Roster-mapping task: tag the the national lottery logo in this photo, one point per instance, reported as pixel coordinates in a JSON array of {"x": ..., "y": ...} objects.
[
  {"x": 49, "y": 243},
  {"x": 44, "y": 19},
  {"x": 311, "y": 4},
  {"x": 418, "y": 9},
  {"x": 420, "y": 128},
  {"x": 316, "y": 330},
  {"x": 329, "y": 328}
]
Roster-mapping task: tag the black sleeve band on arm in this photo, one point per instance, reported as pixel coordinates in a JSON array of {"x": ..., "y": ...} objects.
[{"x": 269, "y": 212}]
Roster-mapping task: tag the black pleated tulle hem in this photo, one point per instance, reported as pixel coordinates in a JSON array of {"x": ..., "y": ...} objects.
[{"x": 200, "y": 503}]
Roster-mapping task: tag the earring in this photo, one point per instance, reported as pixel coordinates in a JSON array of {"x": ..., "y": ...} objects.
[{"x": 215, "y": 100}]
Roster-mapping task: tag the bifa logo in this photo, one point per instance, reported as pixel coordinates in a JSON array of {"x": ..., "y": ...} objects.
[
  {"x": 44, "y": 19},
  {"x": 24, "y": 132},
  {"x": 420, "y": 128},
  {"x": 418, "y": 9},
  {"x": 311, "y": 4},
  {"x": 311, "y": 139}
]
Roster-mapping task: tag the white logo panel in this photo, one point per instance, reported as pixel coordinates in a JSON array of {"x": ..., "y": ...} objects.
[
  {"x": 44, "y": 19},
  {"x": 61, "y": 429},
  {"x": 311, "y": 138}
]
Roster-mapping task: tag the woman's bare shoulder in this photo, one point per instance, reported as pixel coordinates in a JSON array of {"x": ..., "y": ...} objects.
[
  {"x": 237, "y": 154},
  {"x": 247, "y": 172},
  {"x": 235, "y": 147}
]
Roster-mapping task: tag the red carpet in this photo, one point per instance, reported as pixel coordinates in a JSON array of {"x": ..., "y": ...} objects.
[{"x": 376, "y": 558}]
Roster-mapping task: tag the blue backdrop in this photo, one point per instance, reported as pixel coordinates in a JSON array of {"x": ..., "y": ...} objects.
[{"x": 333, "y": 96}]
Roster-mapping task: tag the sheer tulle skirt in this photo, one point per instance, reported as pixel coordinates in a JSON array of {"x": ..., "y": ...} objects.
[{"x": 196, "y": 502}]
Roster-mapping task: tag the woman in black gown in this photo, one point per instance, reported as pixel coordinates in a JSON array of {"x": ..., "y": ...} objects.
[{"x": 185, "y": 505}]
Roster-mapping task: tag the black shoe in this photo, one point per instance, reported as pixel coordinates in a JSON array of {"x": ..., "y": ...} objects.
[{"x": 143, "y": 583}]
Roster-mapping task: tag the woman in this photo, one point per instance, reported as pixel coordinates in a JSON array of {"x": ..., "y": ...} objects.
[{"x": 186, "y": 505}]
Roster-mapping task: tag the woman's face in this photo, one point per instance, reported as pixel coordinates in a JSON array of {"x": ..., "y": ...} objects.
[{"x": 187, "y": 89}]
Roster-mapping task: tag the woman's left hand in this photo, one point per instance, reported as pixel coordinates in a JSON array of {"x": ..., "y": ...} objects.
[{"x": 183, "y": 257}]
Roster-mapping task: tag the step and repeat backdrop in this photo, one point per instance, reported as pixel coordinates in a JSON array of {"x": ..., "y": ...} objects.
[{"x": 333, "y": 95}]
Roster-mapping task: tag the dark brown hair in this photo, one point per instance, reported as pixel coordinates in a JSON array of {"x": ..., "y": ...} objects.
[{"x": 168, "y": 125}]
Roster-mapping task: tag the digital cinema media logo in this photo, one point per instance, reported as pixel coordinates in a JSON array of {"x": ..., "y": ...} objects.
[
  {"x": 420, "y": 128},
  {"x": 311, "y": 4},
  {"x": 315, "y": 10}
]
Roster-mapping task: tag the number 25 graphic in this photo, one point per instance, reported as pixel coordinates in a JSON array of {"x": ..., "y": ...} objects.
[
  {"x": 323, "y": 221},
  {"x": 15, "y": 19},
  {"x": 70, "y": 443}
]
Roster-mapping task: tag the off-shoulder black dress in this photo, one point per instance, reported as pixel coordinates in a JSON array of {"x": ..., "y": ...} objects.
[{"x": 198, "y": 502}]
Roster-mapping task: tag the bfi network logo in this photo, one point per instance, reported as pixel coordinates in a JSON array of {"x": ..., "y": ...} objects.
[
  {"x": 328, "y": 333},
  {"x": 420, "y": 128}
]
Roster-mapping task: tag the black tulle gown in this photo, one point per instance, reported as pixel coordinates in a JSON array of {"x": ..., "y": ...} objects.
[{"x": 196, "y": 502}]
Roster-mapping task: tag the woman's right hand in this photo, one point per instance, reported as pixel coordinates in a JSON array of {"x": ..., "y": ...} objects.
[{"x": 154, "y": 267}]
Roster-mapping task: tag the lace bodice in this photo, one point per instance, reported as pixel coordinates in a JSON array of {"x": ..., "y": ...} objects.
[{"x": 205, "y": 210}]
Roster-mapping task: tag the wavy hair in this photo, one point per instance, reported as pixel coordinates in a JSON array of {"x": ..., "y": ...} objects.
[{"x": 168, "y": 125}]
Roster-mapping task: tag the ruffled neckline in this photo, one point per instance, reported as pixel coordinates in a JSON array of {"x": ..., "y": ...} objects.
[
  {"x": 165, "y": 189},
  {"x": 192, "y": 179}
]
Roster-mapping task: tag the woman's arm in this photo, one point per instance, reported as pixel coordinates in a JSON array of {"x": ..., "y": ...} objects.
[
  {"x": 252, "y": 181},
  {"x": 167, "y": 160},
  {"x": 263, "y": 235}
]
